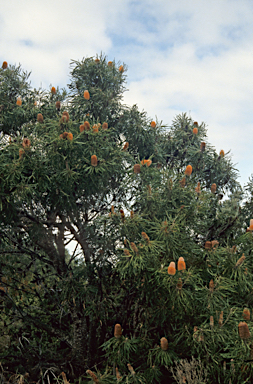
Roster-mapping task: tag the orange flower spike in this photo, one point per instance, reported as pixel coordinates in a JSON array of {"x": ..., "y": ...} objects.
[
  {"x": 40, "y": 118},
  {"x": 118, "y": 375},
  {"x": 19, "y": 101},
  {"x": 121, "y": 69},
  {"x": 21, "y": 153},
  {"x": 97, "y": 60},
  {"x": 122, "y": 214},
  {"x": 95, "y": 128},
  {"x": 195, "y": 131},
  {"x": 164, "y": 344},
  {"x": 222, "y": 153},
  {"x": 208, "y": 245},
  {"x": 240, "y": 261},
  {"x": 213, "y": 188},
  {"x": 243, "y": 329},
  {"x": 215, "y": 244},
  {"x": 172, "y": 268},
  {"x": 179, "y": 284},
  {"x": 181, "y": 264},
  {"x": 132, "y": 371},
  {"x": 26, "y": 143},
  {"x": 86, "y": 125},
  {"x": 149, "y": 162},
  {"x": 145, "y": 237},
  {"x": 188, "y": 170},
  {"x": 198, "y": 189},
  {"x": 104, "y": 126},
  {"x": 109, "y": 63},
  {"x": 126, "y": 146},
  {"x": 94, "y": 160},
  {"x": 202, "y": 146},
  {"x": 137, "y": 168},
  {"x": 246, "y": 314},
  {"x": 126, "y": 252},
  {"x": 93, "y": 376},
  {"x": 221, "y": 319},
  {"x": 251, "y": 225},
  {"x": 58, "y": 105},
  {"x": 4, "y": 65},
  {"x": 182, "y": 182},
  {"x": 53, "y": 90},
  {"x": 117, "y": 331},
  {"x": 153, "y": 124},
  {"x": 86, "y": 95},
  {"x": 64, "y": 378},
  {"x": 134, "y": 248},
  {"x": 70, "y": 136},
  {"x": 211, "y": 285},
  {"x": 65, "y": 119},
  {"x": 82, "y": 128},
  {"x": 195, "y": 123}
]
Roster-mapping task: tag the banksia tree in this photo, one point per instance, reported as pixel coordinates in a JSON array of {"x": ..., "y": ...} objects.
[{"x": 96, "y": 230}]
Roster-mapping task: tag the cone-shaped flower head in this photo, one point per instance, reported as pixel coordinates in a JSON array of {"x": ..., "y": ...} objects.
[
  {"x": 188, "y": 170},
  {"x": 86, "y": 95},
  {"x": 164, "y": 344},
  {"x": 117, "y": 331},
  {"x": 137, "y": 168},
  {"x": 243, "y": 329},
  {"x": 181, "y": 264},
  {"x": 94, "y": 160},
  {"x": 172, "y": 268}
]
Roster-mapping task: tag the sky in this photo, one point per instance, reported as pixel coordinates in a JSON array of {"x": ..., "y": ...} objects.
[{"x": 182, "y": 56}]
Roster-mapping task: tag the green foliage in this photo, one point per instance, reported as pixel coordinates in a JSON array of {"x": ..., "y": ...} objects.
[{"x": 86, "y": 245}]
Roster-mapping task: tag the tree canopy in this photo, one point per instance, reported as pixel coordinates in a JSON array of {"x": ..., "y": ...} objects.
[{"x": 125, "y": 244}]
